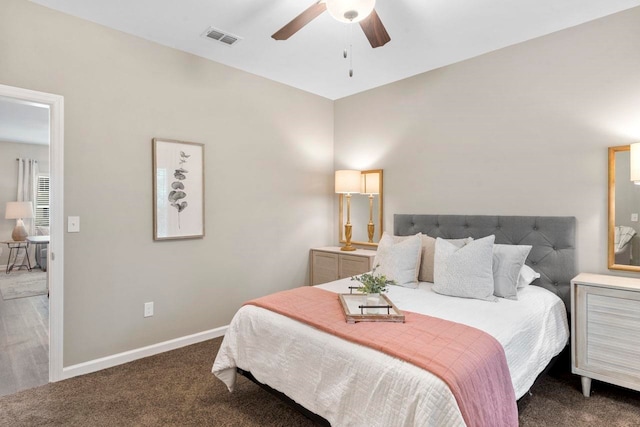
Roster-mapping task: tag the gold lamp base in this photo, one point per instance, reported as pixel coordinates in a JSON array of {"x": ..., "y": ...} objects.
[
  {"x": 371, "y": 226},
  {"x": 347, "y": 236}
]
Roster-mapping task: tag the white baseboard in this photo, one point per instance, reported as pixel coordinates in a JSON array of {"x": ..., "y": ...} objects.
[{"x": 139, "y": 353}]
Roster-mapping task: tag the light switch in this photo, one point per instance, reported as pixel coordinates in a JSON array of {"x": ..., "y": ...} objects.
[
  {"x": 148, "y": 309},
  {"x": 73, "y": 224},
  {"x": 634, "y": 217}
]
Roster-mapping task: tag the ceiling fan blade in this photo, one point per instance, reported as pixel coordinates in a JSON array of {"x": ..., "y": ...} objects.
[
  {"x": 300, "y": 21},
  {"x": 374, "y": 30}
]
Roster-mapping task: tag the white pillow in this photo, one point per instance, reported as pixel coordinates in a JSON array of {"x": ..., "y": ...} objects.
[
  {"x": 527, "y": 276},
  {"x": 425, "y": 274},
  {"x": 507, "y": 263},
  {"x": 465, "y": 272},
  {"x": 399, "y": 261}
]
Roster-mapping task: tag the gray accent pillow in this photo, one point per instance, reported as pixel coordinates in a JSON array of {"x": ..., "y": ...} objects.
[
  {"x": 507, "y": 263},
  {"x": 428, "y": 252},
  {"x": 399, "y": 260},
  {"x": 465, "y": 272}
]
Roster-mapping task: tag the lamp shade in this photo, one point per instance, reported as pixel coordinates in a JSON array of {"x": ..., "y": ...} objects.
[
  {"x": 348, "y": 182},
  {"x": 635, "y": 163},
  {"x": 19, "y": 210},
  {"x": 350, "y": 10},
  {"x": 370, "y": 183}
]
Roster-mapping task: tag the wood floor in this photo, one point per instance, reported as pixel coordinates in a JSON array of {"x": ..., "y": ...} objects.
[{"x": 24, "y": 343}]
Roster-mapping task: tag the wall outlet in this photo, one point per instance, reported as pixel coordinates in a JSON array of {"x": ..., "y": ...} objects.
[
  {"x": 148, "y": 309},
  {"x": 634, "y": 217},
  {"x": 73, "y": 224}
]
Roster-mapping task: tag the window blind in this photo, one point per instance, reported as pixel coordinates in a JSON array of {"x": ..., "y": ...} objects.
[{"x": 42, "y": 201}]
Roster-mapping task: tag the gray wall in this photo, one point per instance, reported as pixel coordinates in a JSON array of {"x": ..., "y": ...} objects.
[
  {"x": 520, "y": 131},
  {"x": 269, "y": 179},
  {"x": 9, "y": 152}
]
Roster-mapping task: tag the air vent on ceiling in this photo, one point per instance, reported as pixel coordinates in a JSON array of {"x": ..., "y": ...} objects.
[{"x": 221, "y": 36}]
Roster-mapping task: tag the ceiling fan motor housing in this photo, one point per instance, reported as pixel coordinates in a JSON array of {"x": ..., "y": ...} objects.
[{"x": 350, "y": 10}]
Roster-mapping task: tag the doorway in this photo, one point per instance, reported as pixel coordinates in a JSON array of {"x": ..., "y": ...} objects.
[{"x": 55, "y": 251}]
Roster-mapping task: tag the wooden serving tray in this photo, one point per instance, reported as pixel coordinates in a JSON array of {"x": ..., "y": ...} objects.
[{"x": 353, "y": 312}]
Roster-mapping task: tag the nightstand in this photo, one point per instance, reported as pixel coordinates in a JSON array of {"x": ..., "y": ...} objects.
[
  {"x": 330, "y": 263},
  {"x": 605, "y": 330}
]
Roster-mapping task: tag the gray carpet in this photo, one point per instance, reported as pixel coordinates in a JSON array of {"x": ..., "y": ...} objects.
[
  {"x": 177, "y": 388},
  {"x": 557, "y": 400},
  {"x": 22, "y": 284}
]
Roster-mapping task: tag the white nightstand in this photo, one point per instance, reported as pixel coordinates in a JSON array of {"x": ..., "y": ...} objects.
[
  {"x": 330, "y": 263},
  {"x": 605, "y": 330}
]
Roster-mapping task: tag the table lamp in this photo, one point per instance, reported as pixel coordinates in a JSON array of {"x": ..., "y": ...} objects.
[
  {"x": 19, "y": 211},
  {"x": 347, "y": 183},
  {"x": 370, "y": 186}
]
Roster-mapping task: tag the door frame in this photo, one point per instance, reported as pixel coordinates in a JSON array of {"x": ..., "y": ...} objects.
[{"x": 55, "y": 263}]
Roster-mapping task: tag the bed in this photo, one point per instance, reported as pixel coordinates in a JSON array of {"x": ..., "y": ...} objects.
[{"x": 349, "y": 384}]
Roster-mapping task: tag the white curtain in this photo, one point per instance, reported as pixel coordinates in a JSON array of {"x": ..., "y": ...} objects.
[{"x": 27, "y": 187}]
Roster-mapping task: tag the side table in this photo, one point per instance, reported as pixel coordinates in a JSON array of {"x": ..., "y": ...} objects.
[
  {"x": 605, "y": 330},
  {"x": 14, "y": 252},
  {"x": 330, "y": 263}
]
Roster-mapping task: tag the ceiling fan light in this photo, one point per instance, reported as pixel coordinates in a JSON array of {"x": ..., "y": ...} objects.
[{"x": 343, "y": 10}]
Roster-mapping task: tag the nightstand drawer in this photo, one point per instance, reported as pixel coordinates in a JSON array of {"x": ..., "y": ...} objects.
[
  {"x": 352, "y": 265},
  {"x": 611, "y": 336},
  {"x": 325, "y": 267}
]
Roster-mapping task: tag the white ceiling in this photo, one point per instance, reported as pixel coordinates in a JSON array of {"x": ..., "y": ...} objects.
[
  {"x": 425, "y": 34},
  {"x": 24, "y": 122}
]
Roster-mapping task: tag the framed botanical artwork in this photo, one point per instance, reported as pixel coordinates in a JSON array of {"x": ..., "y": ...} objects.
[{"x": 178, "y": 190}]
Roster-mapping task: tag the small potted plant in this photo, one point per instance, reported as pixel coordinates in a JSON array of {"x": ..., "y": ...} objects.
[{"x": 372, "y": 286}]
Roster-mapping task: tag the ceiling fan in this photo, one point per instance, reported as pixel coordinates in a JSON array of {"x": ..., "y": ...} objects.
[{"x": 348, "y": 11}]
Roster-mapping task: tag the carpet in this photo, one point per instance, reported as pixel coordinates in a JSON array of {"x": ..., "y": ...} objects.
[
  {"x": 177, "y": 389},
  {"x": 22, "y": 284}
]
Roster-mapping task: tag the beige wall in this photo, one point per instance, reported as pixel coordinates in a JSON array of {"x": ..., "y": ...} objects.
[
  {"x": 269, "y": 163},
  {"x": 520, "y": 131},
  {"x": 9, "y": 152}
]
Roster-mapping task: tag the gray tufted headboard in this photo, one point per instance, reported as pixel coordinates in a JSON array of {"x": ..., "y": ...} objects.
[{"x": 552, "y": 238}]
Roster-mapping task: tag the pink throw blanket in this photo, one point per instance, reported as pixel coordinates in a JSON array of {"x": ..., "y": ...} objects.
[{"x": 471, "y": 362}]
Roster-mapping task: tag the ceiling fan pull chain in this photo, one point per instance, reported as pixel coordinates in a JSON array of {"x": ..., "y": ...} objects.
[
  {"x": 351, "y": 50},
  {"x": 346, "y": 43},
  {"x": 346, "y": 37}
]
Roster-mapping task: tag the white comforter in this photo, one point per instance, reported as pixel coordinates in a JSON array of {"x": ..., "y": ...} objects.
[{"x": 352, "y": 385}]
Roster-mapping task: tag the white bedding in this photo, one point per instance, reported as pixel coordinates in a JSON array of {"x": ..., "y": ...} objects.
[{"x": 349, "y": 384}]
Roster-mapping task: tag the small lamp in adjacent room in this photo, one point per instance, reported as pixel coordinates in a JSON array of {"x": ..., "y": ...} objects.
[
  {"x": 370, "y": 186},
  {"x": 635, "y": 163},
  {"x": 19, "y": 211},
  {"x": 348, "y": 183}
]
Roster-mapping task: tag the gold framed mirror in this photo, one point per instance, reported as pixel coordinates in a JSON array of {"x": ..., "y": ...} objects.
[
  {"x": 624, "y": 207},
  {"x": 366, "y": 211}
]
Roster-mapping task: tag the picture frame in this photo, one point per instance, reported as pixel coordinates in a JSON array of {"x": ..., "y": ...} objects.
[{"x": 178, "y": 189}]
